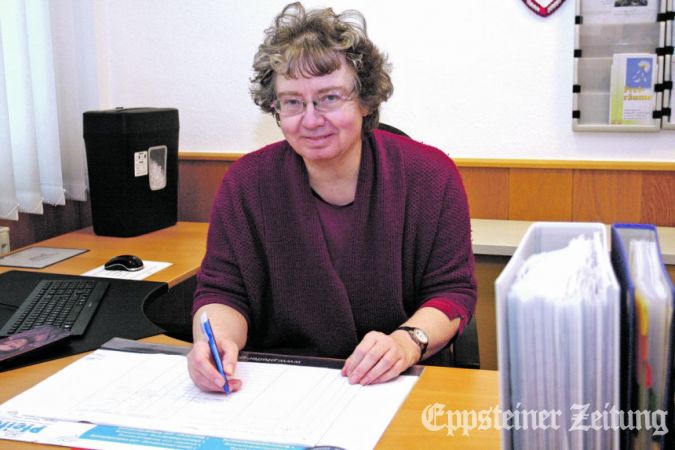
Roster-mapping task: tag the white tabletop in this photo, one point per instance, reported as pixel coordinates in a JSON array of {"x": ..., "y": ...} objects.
[{"x": 501, "y": 237}]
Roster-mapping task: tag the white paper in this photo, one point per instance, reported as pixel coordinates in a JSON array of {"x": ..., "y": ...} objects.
[
  {"x": 102, "y": 437},
  {"x": 278, "y": 403},
  {"x": 140, "y": 163},
  {"x": 149, "y": 268},
  {"x": 558, "y": 333},
  {"x": 619, "y": 11}
]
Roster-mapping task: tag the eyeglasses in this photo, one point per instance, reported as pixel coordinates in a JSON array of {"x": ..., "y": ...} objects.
[{"x": 292, "y": 105}]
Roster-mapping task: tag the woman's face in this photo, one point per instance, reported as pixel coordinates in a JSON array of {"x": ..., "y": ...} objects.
[
  {"x": 13, "y": 345},
  {"x": 328, "y": 136}
]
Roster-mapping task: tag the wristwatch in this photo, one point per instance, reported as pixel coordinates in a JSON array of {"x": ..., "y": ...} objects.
[{"x": 418, "y": 336}]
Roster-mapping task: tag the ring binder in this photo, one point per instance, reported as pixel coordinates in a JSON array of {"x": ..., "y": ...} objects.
[
  {"x": 631, "y": 245},
  {"x": 628, "y": 322},
  {"x": 558, "y": 334}
]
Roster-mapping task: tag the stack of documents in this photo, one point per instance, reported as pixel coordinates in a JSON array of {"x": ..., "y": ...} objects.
[
  {"x": 647, "y": 336},
  {"x": 558, "y": 317},
  {"x": 139, "y": 396}
]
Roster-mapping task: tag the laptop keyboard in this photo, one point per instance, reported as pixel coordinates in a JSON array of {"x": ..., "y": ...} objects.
[{"x": 69, "y": 304}]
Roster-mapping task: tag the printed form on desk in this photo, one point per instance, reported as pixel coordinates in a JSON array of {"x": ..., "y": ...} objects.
[{"x": 136, "y": 399}]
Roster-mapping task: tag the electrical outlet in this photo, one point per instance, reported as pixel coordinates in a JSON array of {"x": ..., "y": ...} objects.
[{"x": 4, "y": 240}]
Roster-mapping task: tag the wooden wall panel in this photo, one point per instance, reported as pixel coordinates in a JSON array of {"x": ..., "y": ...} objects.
[
  {"x": 510, "y": 189},
  {"x": 608, "y": 197},
  {"x": 519, "y": 193},
  {"x": 540, "y": 194},
  {"x": 487, "y": 191},
  {"x": 487, "y": 270},
  {"x": 198, "y": 182},
  {"x": 658, "y": 198},
  {"x": 55, "y": 220}
]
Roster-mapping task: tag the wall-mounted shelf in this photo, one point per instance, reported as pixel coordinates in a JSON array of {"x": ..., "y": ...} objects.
[
  {"x": 668, "y": 117},
  {"x": 622, "y": 66}
]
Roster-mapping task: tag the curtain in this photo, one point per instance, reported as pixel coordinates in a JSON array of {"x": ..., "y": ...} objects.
[{"x": 47, "y": 79}]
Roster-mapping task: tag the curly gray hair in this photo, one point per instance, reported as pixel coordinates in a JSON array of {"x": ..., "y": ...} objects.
[{"x": 312, "y": 43}]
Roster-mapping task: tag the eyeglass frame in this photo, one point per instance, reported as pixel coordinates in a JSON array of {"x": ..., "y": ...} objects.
[{"x": 343, "y": 99}]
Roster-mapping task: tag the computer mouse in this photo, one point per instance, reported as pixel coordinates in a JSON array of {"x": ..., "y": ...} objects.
[{"x": 129, "y": 263}]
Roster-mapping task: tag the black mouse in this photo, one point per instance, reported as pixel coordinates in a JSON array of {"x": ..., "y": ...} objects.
[{"x": 129, "y": 263}]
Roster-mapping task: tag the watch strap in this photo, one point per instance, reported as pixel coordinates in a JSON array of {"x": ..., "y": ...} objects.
[{"x": 411, "y": 332}]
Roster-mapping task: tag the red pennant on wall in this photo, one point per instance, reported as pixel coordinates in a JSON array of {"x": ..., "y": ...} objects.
[{"x": 544, "y": 8}]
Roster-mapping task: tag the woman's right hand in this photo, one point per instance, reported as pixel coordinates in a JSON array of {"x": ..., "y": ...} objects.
[{"x": 204, "y": 372}]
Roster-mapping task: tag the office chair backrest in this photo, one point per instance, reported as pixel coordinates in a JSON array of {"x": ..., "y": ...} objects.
[
  {"x": 389, "y": 128},
  {"x": 464, "y": 350}
]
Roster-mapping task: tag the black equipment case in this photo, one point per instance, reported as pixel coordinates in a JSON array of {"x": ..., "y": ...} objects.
[{"x": 132, "y": 160}]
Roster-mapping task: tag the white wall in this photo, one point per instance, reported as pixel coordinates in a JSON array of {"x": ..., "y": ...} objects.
[{"x": 478, "y": 79}]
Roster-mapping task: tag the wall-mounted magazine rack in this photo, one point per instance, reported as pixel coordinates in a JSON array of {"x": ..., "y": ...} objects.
[
  {"x": 619, "y": 55},
  {"x": 668, "y": 117}
]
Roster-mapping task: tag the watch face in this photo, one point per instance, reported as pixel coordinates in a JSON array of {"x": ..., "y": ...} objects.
[{"x": 420, "y": 335}]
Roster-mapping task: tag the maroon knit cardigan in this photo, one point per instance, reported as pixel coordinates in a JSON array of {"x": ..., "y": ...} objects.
[{"x": 268, "y": 259}]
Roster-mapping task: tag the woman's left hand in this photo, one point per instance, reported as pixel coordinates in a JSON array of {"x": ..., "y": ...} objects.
[{"x": 380, "y": 357}]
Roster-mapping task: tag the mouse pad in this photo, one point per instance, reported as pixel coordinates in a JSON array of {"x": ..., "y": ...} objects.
[
  {"x": 39, "y": 257},
  {"x": 149, "y": 268},
  {"x": 120, "y": 313}
]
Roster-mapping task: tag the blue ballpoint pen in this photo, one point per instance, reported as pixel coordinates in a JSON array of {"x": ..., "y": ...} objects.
[{"x": 208, "y": 332}]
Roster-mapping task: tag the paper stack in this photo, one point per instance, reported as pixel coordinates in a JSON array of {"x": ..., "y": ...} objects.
[{"x": 558, "y": 317}]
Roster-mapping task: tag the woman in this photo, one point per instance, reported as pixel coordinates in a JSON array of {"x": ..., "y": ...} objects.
[{"x": 329, "y": 242}]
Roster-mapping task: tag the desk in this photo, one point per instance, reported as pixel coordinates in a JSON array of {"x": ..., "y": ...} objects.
[
  {"x": 183, "y": 245},
  {"x": 457, "y": 389}
]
